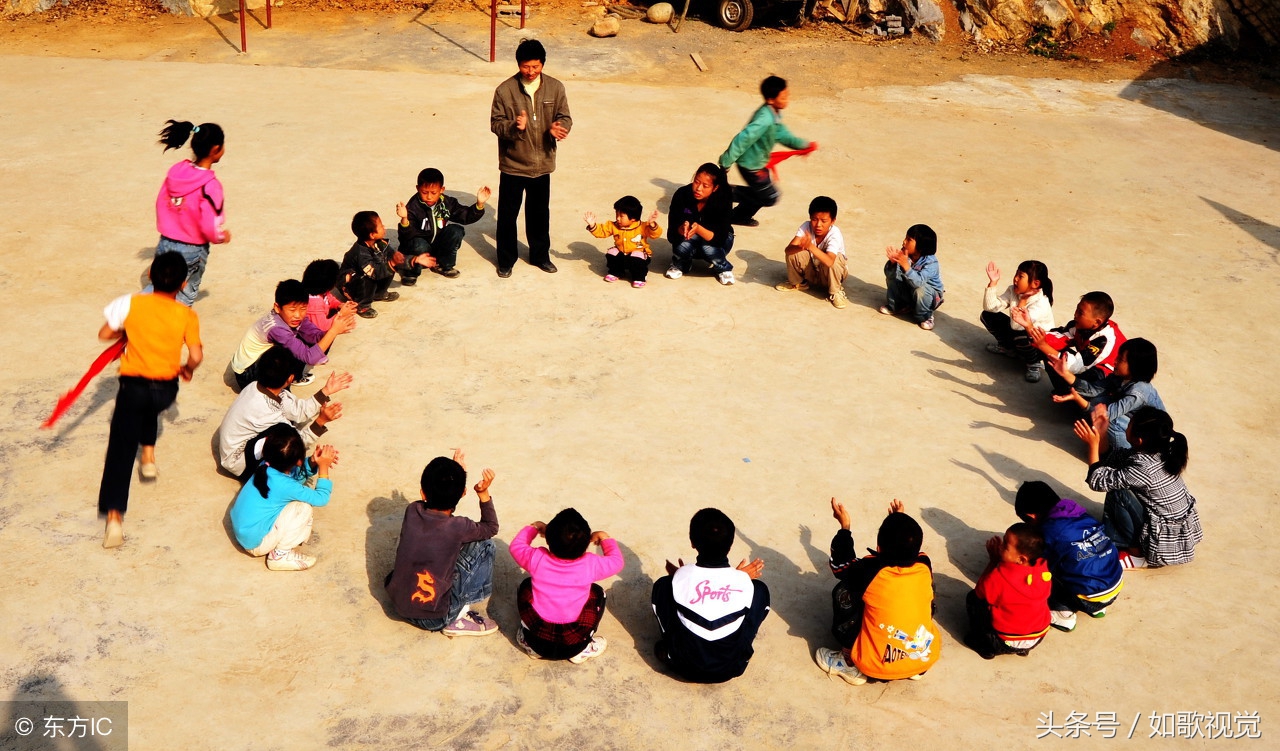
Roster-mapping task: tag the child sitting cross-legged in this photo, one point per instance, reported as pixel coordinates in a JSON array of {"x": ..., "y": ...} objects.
[
  {"x": 1087, "y": 575},
  {"x": 883, "y": 605},
  {"x": 1009, "y": 608},
  {"x": 560, "y": 606},
  {"x": 630, "y": 253}
]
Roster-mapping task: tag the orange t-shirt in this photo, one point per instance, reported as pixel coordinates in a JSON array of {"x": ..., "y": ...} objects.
[
  {"x": 156, "y": 327},
  {"x": 898, "y": 638}
]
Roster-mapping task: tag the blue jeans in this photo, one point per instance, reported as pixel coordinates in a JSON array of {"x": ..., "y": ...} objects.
[
  {"x": 1123, "y": 517},
  {"x": 921, "y": 300},
  {"x": 196, "y": 256},
  {"x": 685, "y": 252},
  {"x": 472, "y": 583}
]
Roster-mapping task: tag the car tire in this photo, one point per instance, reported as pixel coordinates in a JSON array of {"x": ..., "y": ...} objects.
[{"x": 734, "y": 15}]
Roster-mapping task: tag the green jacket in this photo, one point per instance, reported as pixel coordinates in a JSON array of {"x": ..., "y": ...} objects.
[{"x": 751, "y": 147}]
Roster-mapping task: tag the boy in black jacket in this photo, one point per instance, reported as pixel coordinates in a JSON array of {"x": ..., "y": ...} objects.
[
  {"x": 430, "y": 227},
  {"x": 367, "y": 269}
]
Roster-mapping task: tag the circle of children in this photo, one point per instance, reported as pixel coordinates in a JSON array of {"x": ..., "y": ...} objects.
[{"x": 1057, "y": 562}]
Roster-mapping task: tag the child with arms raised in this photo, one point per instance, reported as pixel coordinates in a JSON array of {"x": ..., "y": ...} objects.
[
  {"x": 320, "y": 279},
  {"x": 560, "y": 605},
  {"x": 630, "y": 253},
  {"x": 1009, "y": 607},
  {"x": 1086, "y": 347},
  {"x": 1123, "y": 392},
  {"x": 287, "y": 325},
  {"x": 1087, "y": 575},
  {"x": 1032, "y": 294},
  {"x": 430, "y": 228},
  {"x": 883, "y": 605},
  {"x": 1149, "y": 513}
]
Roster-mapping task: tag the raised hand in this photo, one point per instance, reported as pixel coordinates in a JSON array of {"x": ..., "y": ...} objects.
[
  {"x": 897, "y": 507},
  {"x": 329, "y": 412},
  {"x": 482, "y": 195},
  {"x": 840, "y": 513},
  {"x": 589, "y": 218},
  {"x": 752, "y": 569},
  {"x": 993, "y": 273},
  {"x": 402, "y": 212},
  {"x": 337, "y": 381},
  {"x": 482, "y": 487}
]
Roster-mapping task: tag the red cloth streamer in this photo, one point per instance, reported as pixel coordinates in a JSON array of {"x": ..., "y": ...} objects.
[
  {"x": 778, "y": 157},
  {"x": 69, "y": 398}
]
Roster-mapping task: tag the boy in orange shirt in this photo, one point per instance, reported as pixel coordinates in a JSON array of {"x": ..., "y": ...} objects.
[
  {"x": 155, "y": 326},
  {"x": 883, "y": 605}
]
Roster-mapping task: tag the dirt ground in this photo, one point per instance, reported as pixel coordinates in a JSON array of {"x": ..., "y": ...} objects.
[{"x": 637, "y": 407}]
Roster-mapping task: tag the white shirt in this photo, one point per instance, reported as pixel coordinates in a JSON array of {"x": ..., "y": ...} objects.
[{"x": 832, "y": 243}]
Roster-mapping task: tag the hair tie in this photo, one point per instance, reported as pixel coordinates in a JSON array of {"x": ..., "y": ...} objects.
[{"x": 195, "y": 130}]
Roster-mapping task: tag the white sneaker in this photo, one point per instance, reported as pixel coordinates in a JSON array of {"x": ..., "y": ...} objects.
[
  {"x": 725, "y": 278},
  {"x": 1063, "y": 620},
  {"x": 291, "y": 561},
  {"x": 674, "y": 273},
  {"x": 1034, "y": 371},
  {"x": 521, "y": 643},
  {"x": 594, "y": 649},
  {"x": 832, "y": 663}
]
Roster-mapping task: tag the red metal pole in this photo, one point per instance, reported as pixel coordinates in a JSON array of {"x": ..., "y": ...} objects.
[
  {"x": 269, "y": 13},
  {"x": 522, "y": 13},
  {"x": 493, "y": 30},
  {"x": 244, "y": 45}
]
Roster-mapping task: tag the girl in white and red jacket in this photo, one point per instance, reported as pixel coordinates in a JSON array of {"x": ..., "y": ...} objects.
[{"x": 189, "y": 208}]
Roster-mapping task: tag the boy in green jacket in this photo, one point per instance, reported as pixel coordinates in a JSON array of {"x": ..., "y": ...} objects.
[{"x": 750, "y": 150}]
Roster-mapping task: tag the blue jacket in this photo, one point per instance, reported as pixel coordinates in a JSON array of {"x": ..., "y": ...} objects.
[
  {"x": 924, "y": 272},
  {"x": 1080, "y": 554}
]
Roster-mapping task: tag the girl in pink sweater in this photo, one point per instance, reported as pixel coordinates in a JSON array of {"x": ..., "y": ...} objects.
[
  {"x": 560, "y": 605},
  {"x": 189, "y": 206}
]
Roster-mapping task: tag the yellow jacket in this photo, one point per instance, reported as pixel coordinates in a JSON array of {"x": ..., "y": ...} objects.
[{"x": 631, "y": 239}]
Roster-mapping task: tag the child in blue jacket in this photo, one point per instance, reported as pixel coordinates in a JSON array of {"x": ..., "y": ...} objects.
[
  {"x": 1087, "y": 575},
  {"x": 912, "y": 277}
]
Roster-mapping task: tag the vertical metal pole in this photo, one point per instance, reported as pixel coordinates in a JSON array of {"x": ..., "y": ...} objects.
[
  {"x": 244, "y": 46},
  {"x": 493, "y": 30},
  {"x": 522, "y": 13},
  {"x": 269, "y": 13}
]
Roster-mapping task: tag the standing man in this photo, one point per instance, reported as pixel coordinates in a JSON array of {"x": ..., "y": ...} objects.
[{"x": 530, "y": 115}]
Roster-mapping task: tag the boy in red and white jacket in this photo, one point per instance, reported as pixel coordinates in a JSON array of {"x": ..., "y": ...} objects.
[
  {"x": 1009, "y": 607},
  {"x": 1085, "y": 349}
]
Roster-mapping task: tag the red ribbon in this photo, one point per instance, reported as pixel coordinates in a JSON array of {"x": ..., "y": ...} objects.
[
  {"x": 778, "y": 157},
  {"x": 69, "y": 398}
]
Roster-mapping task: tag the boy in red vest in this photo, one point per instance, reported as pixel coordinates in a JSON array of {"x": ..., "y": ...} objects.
[{"x": 1009, "y": 608}]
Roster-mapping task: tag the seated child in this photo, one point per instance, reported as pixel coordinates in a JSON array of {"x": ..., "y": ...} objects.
[
  {"x": 368, "y": 268},
  {"x": 430, "y": 228},
  {"x": 708, "y": 611},
  {"x": 630, "y": 253},
  {"x": 1149, "y": 513},
  {"x": 560, "y": 607},
  {"x": 883, "y": 605},
  {"x": 1087, "y": 575},
  {"x": 815, "y": 256},
  {"x": 272, "y": 514},
  {"x": 444, "y": 563},
  {"x": 1009, "y": 608},
  {"x": 321, "y": 280},
  {"x": 1032, "y": 292},
  {"x": 268, "y": 402},
  {"x": 1087, "y": 346},
  {"x": 286, "y": 325},
  {"x": 912, "y": 277},
  {"x": 1124, "y": 391},
  {"x": 699, "y": 224}
]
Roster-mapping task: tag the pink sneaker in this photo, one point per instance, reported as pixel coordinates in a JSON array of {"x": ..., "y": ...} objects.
[
  {"x": 471, "y": 623},
  {"x": 610, "y": 278},
  {"x": 637, "y": 285}
]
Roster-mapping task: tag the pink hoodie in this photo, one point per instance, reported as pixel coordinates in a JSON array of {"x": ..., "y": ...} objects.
[{"x": 189, "y": 206}]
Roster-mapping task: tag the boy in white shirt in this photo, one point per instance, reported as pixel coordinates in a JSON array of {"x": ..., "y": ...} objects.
[{"x": 816, "y": 257}]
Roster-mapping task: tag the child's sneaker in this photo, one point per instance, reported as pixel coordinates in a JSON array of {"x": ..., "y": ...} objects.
[
  {"x": 996, "y": 348},
  {"x": 832, "y": 663},
  {"x": 471, "y": 623},
  {"x": 638, "y": 285},
  {"x": 610, "y": 278},
  {"x": 927, "y": 324},
  {"x": 1099, "y": 614},
  {"x": 917, "y": 676},
  {"x": 1132, "y": 561},
  {"x": 1034, "y": 371},
  {"x": 521, "y": 643},
  {"x": 788, "y": 286},
  {"x": 1063, "y": 620},
  {"x": 113, "y": 537},
  {"x": 885, "y": 310},
  {"x": 725, "y": 278},
  {"x": 387, "y": 296},
  {"x": 305, "y": 380},
  {"x": 367, "y": 312},
  {"x": 674, "y": 273},
  {"x": 147, "y": 471},
  {"x": 290, "y": 561},
  {"x": 594, "y": 649},
  {"x": 839, "y": 301}
]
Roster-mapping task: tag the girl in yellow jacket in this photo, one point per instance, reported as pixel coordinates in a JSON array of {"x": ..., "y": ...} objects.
[{"x": 630, "y": 253}]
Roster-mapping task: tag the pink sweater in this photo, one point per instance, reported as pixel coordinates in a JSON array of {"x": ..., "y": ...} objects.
[
  {"x": 560, "y": 587},
  {"x": 189, "y": 205},
  {"x": 318, "y": 307}
]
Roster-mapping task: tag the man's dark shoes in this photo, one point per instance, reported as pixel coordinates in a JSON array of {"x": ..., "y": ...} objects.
[
  {"x": 548, "y": 267},
  {"x": 504, "y": 272}
]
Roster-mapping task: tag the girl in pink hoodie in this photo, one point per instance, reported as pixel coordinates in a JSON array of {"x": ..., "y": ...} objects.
[{"x": 189, "y": 207}]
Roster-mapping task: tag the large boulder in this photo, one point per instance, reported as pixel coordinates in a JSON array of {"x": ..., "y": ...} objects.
[
  {"x": 606, "y": 27},
  {"x": 660, "y": 12},
  {"x": 924, "y": 17}
]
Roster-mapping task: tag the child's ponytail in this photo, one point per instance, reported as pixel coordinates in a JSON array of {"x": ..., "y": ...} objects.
[
  {"x": 283, "y": 449},
  {"x": 1036, "y": 271},
  {"x": 1153, "y": 433},
  {"x": 260, "y": 479},
  {"x": 203, "y": 137}
]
